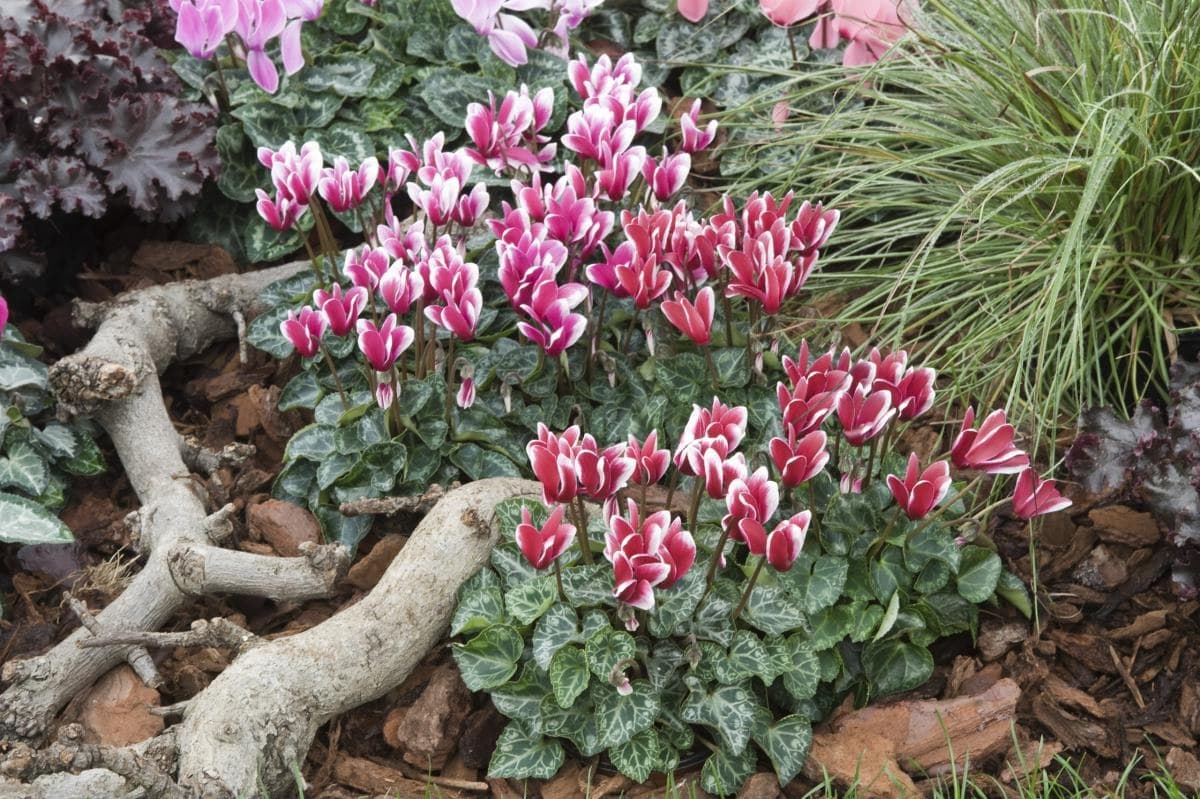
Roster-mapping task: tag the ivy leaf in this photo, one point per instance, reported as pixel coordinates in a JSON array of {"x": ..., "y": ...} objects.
[
  {"x": 27, "y": 522},
  {"x": 895, "y": 665},
  {"x": 637, "y": 757},
  {"x": 522, "y": 754},
  {"x": 606, "y": 649},
  {"x": 478, "y": 610},
  {"x": 978, "y": 574},
  {"x": 728, "y": 709},
  {"x": 786, "y": 743},
  {"x": 724, "y": 772},
  {"x": 619, "y": 718},
  {"x": 528, "y": 600},
  {"x": 489, "y": 659},
  {"x": 568, "y": 675},
  {"x": 557, "y": 627},
  {"x": 24, "y": 469}
]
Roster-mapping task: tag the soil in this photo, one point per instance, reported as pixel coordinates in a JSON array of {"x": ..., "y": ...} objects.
[{"x": 1112, "y": 674}]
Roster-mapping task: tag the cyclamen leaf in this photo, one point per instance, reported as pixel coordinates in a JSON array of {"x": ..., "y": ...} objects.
[
  {"x": 314, "y": 442},
  {"x": 24, "y": 468},
  {"x": 747, "y": 656},
  {"x": 894, "y": 665},
  {"x": 728, "y": 709},
  {"x": 27, "y": 522},
  {"x": 829, "y": 627},
  {"x": 978, "y": 574},
  {"x": 568, "y": 675},
  {"x": 508, "y": 514},
  {"x": 302, "y": 391},
  {"x": 576, "y": 723},
  {"x": 58, "y": 439},
  {"x": 1012, "y": 589},
  {"x": 88, "y": 460},
  {"x": 637, "y": 757},
  {"x": 523, "y": 754},
  {"x": 478, "y": 610},
  {"x": 521, "y": 699},
  {"x": 675, "y": 605},
  {"x": 587, "y": 586},
  {"x": 15, "y": 376},
  {"x": 724, "y": 772},
  {"x": 826, "y": 582},
  {"x": 772, "y": 610},
  {"x": 557, "y": 627},
  {"x": 786, "y": 742},
  {"x": 528, "y": 600},
  {"x": 803, "y": 673},
  {"x": 489, "y": 659},
  {"x": 619, "y": 718},
  {"x": 606, "y": 649}
]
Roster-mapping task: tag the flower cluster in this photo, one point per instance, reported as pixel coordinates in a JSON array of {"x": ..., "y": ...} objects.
[
  {"x": 510, "y": 36},
  {"x": 203, "y": 24}
]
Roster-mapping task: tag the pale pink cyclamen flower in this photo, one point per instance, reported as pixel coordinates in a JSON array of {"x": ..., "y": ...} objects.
[
  {"x": 551, "y": 323},
  {"x": 604, "y": 78},
  {"x": 542, "y": 546},
  {"x": 694, "y": 321},
  {"x": 552, "y": 458},
  {"x": 345, "y": 188},
  {"x": 466, "y": 393},
  {"x": 787, "y": 12},
  {"x": 203, "y": 24},
  {"x": 4, "y": 323},
  {"x": 651, "y": 463},
  {"x": 304, "y": 330},
  {"x": 385, "y": 391},
  {"x": 1034, "y": 496},
  {"x": 692, "y": 139},
  {"x": 382, "y": 345},
  {"x": 294, "y": 174},
  {"x": 693, "y": 10},
  {"x": 401, "y": 288},
  {"x": 990, "y": 448},
  {"x": 507, "y": 136},
  {"x": 341, "y": 309},
  {"x": 920, "y": 491},
  {"x": 258, "y": 22},
  {"x": 508, "y": 36}
]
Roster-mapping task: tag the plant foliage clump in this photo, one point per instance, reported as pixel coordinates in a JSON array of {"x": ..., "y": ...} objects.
[
  {"x": 1022, "y": 188},
  {"x": 90, "y": 117}
]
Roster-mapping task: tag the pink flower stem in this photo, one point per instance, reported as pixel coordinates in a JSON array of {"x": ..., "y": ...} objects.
[
  {"x": 585, "y": 549},
  {"x": 337, "y": 380},
  {"x": 599, "y": 326},
  {"x": 728, "y": 306},
  {"x": 694, "y": 510},
  {"x": 312, "y": 259},
  {"x": 394, "y": 411},
  {"x": 642, "y": 496},
  {"x": 716, "y": 559},
  {"x": 450, "y": 385},
  {"x": 671, "y": 487},
  {"x": 837, "y": 457},
  {"x": 419, "y": 328},
  {"x": 749, "y": 587},
  {"x": 870, "y": 464},
  {"x": 812, "y": 505}
]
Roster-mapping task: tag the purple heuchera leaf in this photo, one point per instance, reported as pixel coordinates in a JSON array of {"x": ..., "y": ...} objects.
[
  {"x": 1106, "y": 447},
  {"x": 63, "y": 182}
]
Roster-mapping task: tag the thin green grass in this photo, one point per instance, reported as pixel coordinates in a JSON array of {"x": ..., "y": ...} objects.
[{"x": 1020, "y": 195}]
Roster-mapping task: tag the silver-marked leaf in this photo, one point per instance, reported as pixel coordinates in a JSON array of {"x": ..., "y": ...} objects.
[
  {"x": 931, "y": 543},
  {"x": 557, "y": 627},
  {"x": 521, "y": 699},
  {"x": 606, "y": 649},
  {"x": 333, "y": 467},
  {"x": 637, "y": 757},
  {"x": 302, "y": 391},
  {"x": 888, "y": 573},
  {"x": 786, "y": 743},
  {"x": 58, "y": 439},
  {"x": 711, "y": 621},
  {"x": 489, "y": 659},
  {"x": 523, "y": 754},
  {"x": 478, "y": 610},
  {"x": 88, "y": 460},
  {"x": 829, "y": 627},
  {"x": 778, "y": 658},
  {"x": 724, "y": 772},
  {"x": 587, "y": 586},
  {"x": 620, "y": 717},
  {"x": 508, "y": 514},
  {"x": 674, "y": 606},
  {"x": 895, "y": 665},
  {"x": 576, "y": 723},
  {"x": 314, "y": 442},
  {"x": 889, "y": 617},
  {"x": 772, "y": 610},
  {"x": 728, "y": 709},
  {"x": 732, "y": 368},
  {"x": 23, "y": 468},
  {"x": 19, "y": 375},
  {"x": 866, "y": 620},
  {"x": 569, "y": 675},
  {"x": 663, "y": 664},
  {"x": 26, "y": 522},
  {"x": 512, "y": 566},
  {"x": 747, "y": 656},
  {"x": 264, "y": 333},
  {"x": 803, "y": 673},
  {"x": 978, "y": 574},
  {"x": 527, "y": 601},
  {"x": 825, "y": 583}
]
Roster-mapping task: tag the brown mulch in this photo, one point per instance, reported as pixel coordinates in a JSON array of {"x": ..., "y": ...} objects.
[{"x": 1112, "y": 673}]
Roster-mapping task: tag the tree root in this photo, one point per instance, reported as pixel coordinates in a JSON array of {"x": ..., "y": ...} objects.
[
  {"x": 247, "y": 731},
  {"x": 115, "y": 378}
]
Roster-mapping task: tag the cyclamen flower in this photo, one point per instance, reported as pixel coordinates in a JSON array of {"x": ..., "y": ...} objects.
[
  {"x": 811, "y": 399},
  {"x": 667, "y": 178},
  {"x": 602, "y": 473},
  {"x": 782, "y": 545},
  {"x": 812, "y": 227},
  {"x": 645, "y": 555},
  {"x": 719, "y": 427},
  {"x": 505, "y": 136},
  {"x": 401, "y": 288},
  {"x": 719, "y": 471},
  {"x": 552, "y": 325},
  {"x": 787, "y": 12},
  {"x": 471, "y": 206},
  {"x": 258, "y": 22},
  {"x": 466, "y": 393},
  {"x": 366, "y": 266},
  {"x": 990, "y": 448},
  {"x": 4, "y": 323},
  {"x": 295, "y": 175},
  {"x": 641, "y": 278},
  {"x": 920, "y": 491},
  {"x": 693, "y": 10},
  {"x": 508, "y": 36},
  {"x": 692, "y": 138},
  {"x": 619, "y": 171},
  {"x": 650, "y": 462},
  {"x": 383, "y": 345},
  {"x": 864, "y": 414},
  {"x": 203, "y": 24},
  {"x": 799, "y": 459},
  {"x": 755, "y": 497},
  {"x": 694, "y": 321},
  {"x": 280, "y": 213},
  {"x": 340, "y": 309},
  {"x": 553, "y": 460},
  {"x": 1034, "y": 496},
  {"x": 455, "y": 283},
  {"x": 345, "y": 188},
  {"x": 541, "y": 547},
  {"x": 440, "y": 200},
  {"x": 304, "y": 331},
  {"x": 603, "y": 78}
]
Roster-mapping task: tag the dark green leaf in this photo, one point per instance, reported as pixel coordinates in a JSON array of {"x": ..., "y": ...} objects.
[
  {"x": 522, "y": 754},
  {"x": 489, "y": 659},
  {"x": 478, "y": 610},
  {"x": 568, "y": 675},
  {"x": 619, "y": 718},
  {"x": 728, "y": 709},
  {"x": 557, "y": 627},
  {"x": 521, "y": 699},
  {"x": 528, "y": 600},
  {"x": 803, "y": 674},
  {"x": 606, "y": 649},
  {"x": 23, "y": 468},
  {"x": 637, "y": 757},
  {"x": 27, "y": 522},
  {"x": 302, "y": 391},
  {"x": 978, "y": 574},
  {"x": 894, "y": 665},
  {"x": 786, "y": 743},
  {"x": 723, "y": 773}
]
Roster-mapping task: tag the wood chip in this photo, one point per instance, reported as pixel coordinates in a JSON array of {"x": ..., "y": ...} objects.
[
  {"x": 1142, "y": 625},
  {"x": 1073, "y": 730},
  {"x": 1120, "y": 524}
]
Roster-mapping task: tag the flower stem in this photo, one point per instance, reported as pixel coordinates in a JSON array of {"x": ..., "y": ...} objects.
[
  {"x": 870, "y": 464},
  {"x": 712, "y": 567},
  {"x": 694, "y": 510},
  {"x": 712, "y": 367},
  {"x": 562, "y": 595},
  {"x": 585, "y": 550},
  {"x": 672, "y": 486},
  {"x": 450, "y": 385},
  {"x": 337, "y": 379},
  {"x": 629, "y": 330},
  {"x": 312, "y": 259},
  {"x": 933, "y": 516},
  {"x": 749, "y": 587}
]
